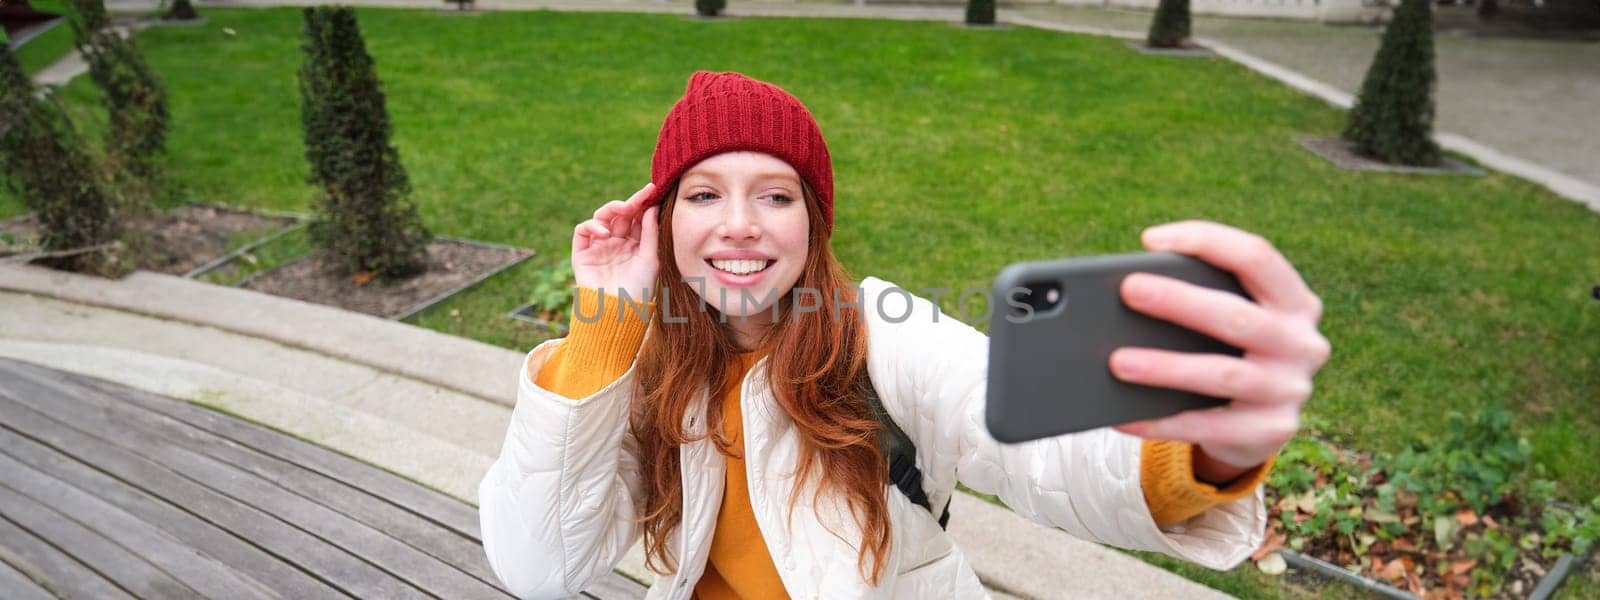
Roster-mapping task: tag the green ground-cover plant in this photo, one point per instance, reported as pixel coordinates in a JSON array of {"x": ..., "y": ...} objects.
[
  {"x": 1441, "y": 293},
  {"x": 551, "y": 292},
  {"x": 1468, "y": 514}
]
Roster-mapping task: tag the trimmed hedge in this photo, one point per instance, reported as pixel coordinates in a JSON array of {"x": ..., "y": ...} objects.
[
  {"x": 1393, "y": 117},
  {"x": 135, "y": 101},
  {"x": 44, "y": 163},
  {"x": 980, "y": 12},
  {"x": 364, "y": 220},
  {"x": 1170, "y": 26}
]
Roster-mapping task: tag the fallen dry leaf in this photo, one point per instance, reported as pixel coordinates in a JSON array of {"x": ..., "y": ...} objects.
[
  {"x": 1414, "y": 585},
  {"x": 1490, "y": 522},
  {"x": 1392, "y": 571},
  {"x": 1462, "y": 566},
  {"x": 363, "y": 277},
  {"x": 1466, "y": 517},
  {"x": 1273, "y": 543},
  {"x": 1405, "y": 544}
]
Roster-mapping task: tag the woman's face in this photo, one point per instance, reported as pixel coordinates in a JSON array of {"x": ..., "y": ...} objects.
[{"x": 740, "y": 225}]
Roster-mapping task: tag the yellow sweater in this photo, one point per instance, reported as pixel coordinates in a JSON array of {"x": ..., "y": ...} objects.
[{"x": 740, "y": 566}]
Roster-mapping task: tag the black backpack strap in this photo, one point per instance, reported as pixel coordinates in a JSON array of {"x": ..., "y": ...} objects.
[{"x": 901, "y": 453}]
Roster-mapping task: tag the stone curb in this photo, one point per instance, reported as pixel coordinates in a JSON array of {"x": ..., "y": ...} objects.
[
  {"x": 1022, "y": 558},
  {"x": 458, "y": 364}
]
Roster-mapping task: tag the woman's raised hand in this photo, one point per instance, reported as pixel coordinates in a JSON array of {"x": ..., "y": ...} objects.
[
  {"x": 615, "y": 251},
  {"x": 1277, "y": 331}
]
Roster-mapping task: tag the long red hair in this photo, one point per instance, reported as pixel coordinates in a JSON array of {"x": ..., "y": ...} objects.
[{"x": 817, "y": 369}]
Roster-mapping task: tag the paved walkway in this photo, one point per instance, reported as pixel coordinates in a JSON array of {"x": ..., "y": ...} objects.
[{"x": 427, "y": 406}]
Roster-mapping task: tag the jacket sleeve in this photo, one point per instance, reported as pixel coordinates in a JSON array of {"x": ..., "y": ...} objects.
[
  {"x": 558, "y": 507},
  {"x": 931, "y": 371}
]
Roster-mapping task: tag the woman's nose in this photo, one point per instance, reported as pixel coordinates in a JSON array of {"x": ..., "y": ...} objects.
[{"x": 739, "y": 222}]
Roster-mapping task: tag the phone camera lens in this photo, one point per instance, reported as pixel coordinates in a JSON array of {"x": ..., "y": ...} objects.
[{"x": 1043, "y": 297}]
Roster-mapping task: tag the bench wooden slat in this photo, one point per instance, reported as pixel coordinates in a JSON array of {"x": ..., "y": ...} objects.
[
  {"x": 16, "y": 585},
  {"x": 615, "y": 587},
  {"x": 62, "y": 575},
  {"x": 195, "y": 570},
  {"x": 170, "y": 442},
  {"x": 244, "y": 558},
  {"x": 451, "y": 547},
  {"x": 432, "y": 505},
  {"x": 327, "y": 562},
  {"x": 125, "y": 569}
]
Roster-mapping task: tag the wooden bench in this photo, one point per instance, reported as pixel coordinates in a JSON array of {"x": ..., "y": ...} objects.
[{"x": 110, "y": 492}]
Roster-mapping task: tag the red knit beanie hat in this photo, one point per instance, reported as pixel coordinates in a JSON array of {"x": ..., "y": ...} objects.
[{"x": 727, "y": 112}]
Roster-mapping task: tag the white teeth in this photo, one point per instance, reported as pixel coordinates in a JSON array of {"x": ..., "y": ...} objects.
[{"x": 739, "y": 267}]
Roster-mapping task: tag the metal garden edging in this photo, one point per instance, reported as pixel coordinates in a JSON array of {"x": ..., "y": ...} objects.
[
  {"x": 1547, "y": 585},
  {"x": 299, "y": 221},
  {"x": 525, "y": 313},
  {"x": 475, "y": 281},
  {"x": 241, "y": 251}
]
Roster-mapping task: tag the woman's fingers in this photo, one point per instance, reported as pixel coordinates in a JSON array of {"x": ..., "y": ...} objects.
[
  {"x": 1261, "y": 269},
  {"x": 1216, "y": 375},
  {"x": 1224, "y": 316},
  {"x": 610, "y": 210},
  {"x": 1219, "y": 429},
  {"x": 620, "y": 216},
  {"x": 649, "y": 232}
]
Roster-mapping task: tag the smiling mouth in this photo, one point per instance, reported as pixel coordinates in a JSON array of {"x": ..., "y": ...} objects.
[{"x": 740, "y": 266}]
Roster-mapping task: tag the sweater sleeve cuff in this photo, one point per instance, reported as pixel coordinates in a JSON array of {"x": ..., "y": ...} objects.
[
  {"x": 605, "y": 336},
  {"x": 1166, "y": 473}
]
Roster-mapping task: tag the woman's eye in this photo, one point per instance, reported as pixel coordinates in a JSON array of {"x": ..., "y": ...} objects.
[
  {"x": 781, "y": 199},
  {"x": 698, "y": 197}
]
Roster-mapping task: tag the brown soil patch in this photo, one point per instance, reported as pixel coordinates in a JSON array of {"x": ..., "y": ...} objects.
[
  {"x": 451, "y": 264},
  {"x": 177, "y": 241}
]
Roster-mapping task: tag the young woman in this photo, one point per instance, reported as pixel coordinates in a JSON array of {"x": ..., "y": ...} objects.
[{"x": 726, "y": 422}]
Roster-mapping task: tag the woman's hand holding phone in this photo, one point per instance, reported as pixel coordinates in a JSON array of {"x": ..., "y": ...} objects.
[
  {"x": 1266, "y": 387},
  {"x": 615, "y": 251}
]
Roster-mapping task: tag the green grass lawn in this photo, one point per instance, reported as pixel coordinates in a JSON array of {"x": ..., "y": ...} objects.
[{"x": 956, "y": 152}]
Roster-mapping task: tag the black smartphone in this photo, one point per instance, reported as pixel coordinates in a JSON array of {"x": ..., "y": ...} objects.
[{"x": 1051, "y": 333}]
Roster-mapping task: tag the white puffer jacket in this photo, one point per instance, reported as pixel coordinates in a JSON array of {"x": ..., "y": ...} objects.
[{"x": 558, "y": 506}]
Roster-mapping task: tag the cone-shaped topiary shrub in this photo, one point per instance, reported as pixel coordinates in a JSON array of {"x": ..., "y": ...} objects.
[
  {"x": 1393, "y": 117},
  {"x": 709, "y": 8},
  {"x": 182, "y": 10},
  {"x": 1170, "y": 27},
  {"x": 135, "y": 101},
  {"x": 980, "y": 12},
  {"x": 364, "y": 220},
  {"x": 43, "y": 163}
]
